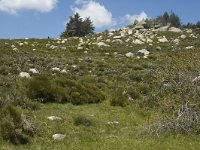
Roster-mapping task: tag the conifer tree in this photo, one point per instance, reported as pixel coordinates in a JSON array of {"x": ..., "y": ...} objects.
[{"x": 77, "y": 27}]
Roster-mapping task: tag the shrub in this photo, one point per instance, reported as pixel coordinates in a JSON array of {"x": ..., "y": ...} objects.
[
  {"x": 119, "y": 98},
  {"x": 13, "y": 126},
  {"x": 58, "y": 89}
]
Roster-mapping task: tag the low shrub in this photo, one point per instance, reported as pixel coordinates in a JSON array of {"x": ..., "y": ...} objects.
[
  {"x": 119, "y": 98},
  {"x": 14, "y": 127},
  {"x": 61, "y": 90}
]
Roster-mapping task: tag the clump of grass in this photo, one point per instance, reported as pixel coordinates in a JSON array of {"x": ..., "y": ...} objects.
[
  {"x": 82, "y": 120},
  {"x": 119, "y": 98}
]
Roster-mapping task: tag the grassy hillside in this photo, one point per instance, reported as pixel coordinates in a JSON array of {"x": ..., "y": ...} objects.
[{"x": 106, "y": 93}]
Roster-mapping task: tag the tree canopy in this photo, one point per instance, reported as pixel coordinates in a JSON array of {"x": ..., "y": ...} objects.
[{"x": 78, "y": 27}]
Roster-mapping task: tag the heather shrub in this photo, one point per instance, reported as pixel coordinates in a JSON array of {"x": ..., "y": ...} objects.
[
  {"x": 14, "y": 127},
  {"x": 61, "y": 90}
]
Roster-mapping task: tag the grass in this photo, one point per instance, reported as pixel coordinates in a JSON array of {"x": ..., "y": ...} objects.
[{"x": 130, "y": 91}]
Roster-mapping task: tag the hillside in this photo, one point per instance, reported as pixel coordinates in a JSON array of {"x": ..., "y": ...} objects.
[{"x": 132, "y": 88}]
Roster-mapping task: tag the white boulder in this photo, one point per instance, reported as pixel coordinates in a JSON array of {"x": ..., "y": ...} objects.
[
  {"x": 58, "y": 137},
  {"x": 24, "y": 75},
  {"x": 163, "y": 40},
  {"x": 33, "y": 70},
  {"x": 129, "y": 54},
  {"x": 54, "y": 118},
  {"x": 176, "y": 30}
]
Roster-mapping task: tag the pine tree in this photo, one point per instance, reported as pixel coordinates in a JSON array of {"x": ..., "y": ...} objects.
[
  {"x": 87, "y": 27},
  {"x": 165, "y": 18},
  {"x": 77, "y": 27},
  {"x": 174, "y": 20}
]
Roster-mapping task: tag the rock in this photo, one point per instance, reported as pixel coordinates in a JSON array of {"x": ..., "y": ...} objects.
[
  {"x": 15, "y": 49},
  {"x": 149, "y": 41},
  {"x": 21, "y": 44},
  {"x": 123, "y": 34},
  {"x": 117, "y": 37},
  {"x": 24, "y": 75},
  {"x": 130, "y": 32},
  {"x": 33, "y": 70},
  {"x": 79, "y": 48},
  {"x": 117, "y": 41},
  {"x": 196, "y": 79},
  {"x": 176, "y": 41},
  {"x": 183, "y": 36},
  {"x": 189, "y": 30},
  {"x": 54, "y": 118},
  {"x": 113, "y": 122},
  {"x": 189, "y": 47},
  {"x": 129, "y": 54},
  {"x": 138, "y": 27},
  {"x": 144, "y": 52},
  {"x": 56, "y": 69},
  {"x": 58, "y": 137},
  {"x": 138, "y": 42},
  {"x": 158, "y": 48},
  {"x": 176, "y": 30},
  {"x": 63, "y": 48},
  {"x": 53, "y": 47},
  {"x": 127, "y": 40},
  {"x": 100, "y": 44},
  {"x": 163, "y": 40},
  {"x": 108, "y": 40},
  {"x": 164, "y": 28},
  {"x": 63, "y": 71}
]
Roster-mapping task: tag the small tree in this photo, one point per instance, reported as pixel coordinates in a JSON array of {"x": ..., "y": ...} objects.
[
  {"x": 77, "y": 27},
  {"x": 87, "y": 27},
  {"x": 198, "y": 24},
  {"x": 165, "y": 18},
  {"x": 174, "y": 20}
]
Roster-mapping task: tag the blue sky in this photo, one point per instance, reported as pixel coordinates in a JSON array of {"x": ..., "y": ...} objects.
[{"x": 43, "y": 18}]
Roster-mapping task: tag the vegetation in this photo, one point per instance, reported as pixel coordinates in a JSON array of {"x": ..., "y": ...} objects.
[
  {"x": 105, "y": 100},
  {"x": 78, "y": 27},
  {"x": 166, "y": 19}
]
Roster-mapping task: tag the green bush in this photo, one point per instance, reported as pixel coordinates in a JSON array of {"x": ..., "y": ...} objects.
[
  {"x": 58, "y": 89},
  {"x": 119, "y": 98},
  {"x": 13, "y": 126}
]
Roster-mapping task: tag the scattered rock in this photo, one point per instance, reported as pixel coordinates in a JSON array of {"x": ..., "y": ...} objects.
[
  {"x": 58, "y": 137},
  {"x": 158, "y": 48},
  {"x": 176, "y": 30},
  {"x": 56, "y": 69},
  {"x": 24, "y": 75},
  {"x": 129, "y": 54},
  {"x": 54, "y": 118},
  {"x": 33, "y": 70},
  {"x": 117, "y": 37},
  {"x": 189, "y": 47},
  {"x": 117, "y": 41},
  {"x": 183, "y": 36},
  {"x": 138, "y": 42},
  {"x": 113, "y": 122},
  {"x": 177, "y": 41},
  {"x": 163, "y": 40},
  {"x": 102, "y": 44},
  {"x": 162, "y": 29},
  {"x": 144, "y": 52}
]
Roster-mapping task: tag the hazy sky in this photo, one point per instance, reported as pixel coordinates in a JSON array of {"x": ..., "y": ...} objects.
[{"x": 43, "y": 18}]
